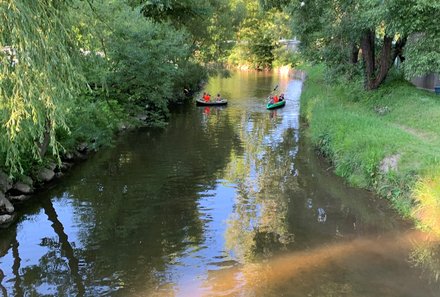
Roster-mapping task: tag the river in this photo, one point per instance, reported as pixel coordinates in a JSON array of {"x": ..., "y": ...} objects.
[{"x": 223, "y": 201}]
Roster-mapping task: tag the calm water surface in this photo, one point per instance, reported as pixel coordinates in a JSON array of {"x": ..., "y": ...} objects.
[{"x": 228, "y": 201}]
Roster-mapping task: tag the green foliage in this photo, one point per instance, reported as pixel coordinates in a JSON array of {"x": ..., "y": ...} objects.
[
  {"x": 418, "y": 19},
  {"x": 283, "y": 57},
  {"x": 422, "y": 55},
  {"x": 146, "y": 61},
  {"x": 179, "y": 12},
  {"x": 39, "y": 78},
  {"x": 189, "y": 78},
  {"x": 72, "y": 71},
  {"x": 105, "y": 115},
  {"x": 330, "y": 30},
  {"x": 216, "y": 45},
  {"x": 269, "y": 4},
  {"x": 209, "y": 23},
  {"x": 143, "y": 64},
  {"x": 258, "y": 37}
]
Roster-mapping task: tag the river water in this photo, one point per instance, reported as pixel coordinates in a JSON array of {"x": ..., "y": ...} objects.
[{"x": 225, "y": 201}]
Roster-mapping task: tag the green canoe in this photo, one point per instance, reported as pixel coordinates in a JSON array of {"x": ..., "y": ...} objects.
[{"x": 276, "y": 105}]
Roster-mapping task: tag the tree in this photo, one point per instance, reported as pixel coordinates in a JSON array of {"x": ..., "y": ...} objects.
[
  {"x": 38, "y": 78},
  {"x": 210, "y": 24},
  {"x": 258, "y": 36},
  {"x": 337, "y": 31},
  {"x": 62, "y": 62},
  {"x": 417, "y": 19},
  {"x": 142, "y": 61}
]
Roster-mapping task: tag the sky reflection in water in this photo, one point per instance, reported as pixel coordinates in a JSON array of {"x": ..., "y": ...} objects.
[{"x": 223, "y": 202}]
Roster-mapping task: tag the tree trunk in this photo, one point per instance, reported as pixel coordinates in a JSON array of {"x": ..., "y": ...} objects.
[
  {"x": 368, "y": 55},
  {"x": 385, "y": 62},
  {"x": 65, "y": 247},
  {"x": 46, "y": 139},
  {"x": 374, "y": 77},
  {"x": 354, "y": 54},
  {"x": 398, "y": 49},
  {"x": 16, "y": 268}
]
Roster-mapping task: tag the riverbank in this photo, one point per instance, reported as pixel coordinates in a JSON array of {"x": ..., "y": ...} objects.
[
  {"x": 88, "y": 137},
  {"x": 385, "y": 140}
]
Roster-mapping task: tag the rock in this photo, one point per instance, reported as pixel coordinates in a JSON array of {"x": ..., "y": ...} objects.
[
  {"x": 52, "y": 166},
  {"x": 6, "y": 219},
  {"x": 19, "y": 198},
  {"x": 80, "y": 156},
  {"x": 122, "y": 127},
  {"x": 5, "y": 204},
  {"x": 389, "y": 163},
  {"x": 46, "y": 175},
  {"x": 65, "y": 166},
  {"x": 382, "y": 110},
  {"x": 27, "y": 180},
  {"x": 23, "y": 188},
  {"x": 8, "y": 205},
  {"x": 5, "y": 182},
  {"x": 68, "y": 157},
  {"x": 142, "y": 117},
  {"x": 82, "y": 147}
]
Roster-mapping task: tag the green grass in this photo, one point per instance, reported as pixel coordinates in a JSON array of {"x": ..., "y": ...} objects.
[{"x": 358, "y": 131}]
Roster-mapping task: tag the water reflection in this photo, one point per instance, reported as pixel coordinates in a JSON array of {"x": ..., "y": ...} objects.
[
  {"x": 223, "y": 201},
  {"x": 333, "y": 269},
  {"x": 426, "y": 256}
]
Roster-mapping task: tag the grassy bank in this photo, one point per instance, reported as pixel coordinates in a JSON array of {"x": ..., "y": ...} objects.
[{"x": 386, "y": 140}]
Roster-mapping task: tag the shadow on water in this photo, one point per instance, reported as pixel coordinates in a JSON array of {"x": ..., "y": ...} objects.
[{"x": 225, "y": 201}]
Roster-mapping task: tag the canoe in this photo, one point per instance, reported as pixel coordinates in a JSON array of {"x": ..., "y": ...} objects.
[
  {"x": 276, "y": 105},
  {"x": 211, "y": 103}
]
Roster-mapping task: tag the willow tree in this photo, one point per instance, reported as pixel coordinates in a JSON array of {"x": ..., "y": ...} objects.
[{"x": 38, "y": 78}]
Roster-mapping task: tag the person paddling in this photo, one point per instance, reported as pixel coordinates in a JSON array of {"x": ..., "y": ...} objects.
[{"x": 206, "y": 97}]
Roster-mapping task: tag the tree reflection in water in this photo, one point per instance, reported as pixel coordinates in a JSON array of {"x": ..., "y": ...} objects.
[
  {"x": 147, "y": 218},
  {"x": 258, "y": 226}
]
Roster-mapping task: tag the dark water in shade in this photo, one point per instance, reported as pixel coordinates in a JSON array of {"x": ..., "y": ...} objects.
[{"x": 228, "y": 201}]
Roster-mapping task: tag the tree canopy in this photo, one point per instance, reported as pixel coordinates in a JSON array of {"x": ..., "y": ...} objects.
[
  {"x": 72, "y": 70},
  {"x": 337, "y": 32},
  {"x": 39, "y": 77},
  {"x": 259, "y": 34}
]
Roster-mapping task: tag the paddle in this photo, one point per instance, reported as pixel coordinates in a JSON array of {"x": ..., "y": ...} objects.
[{"x": 274, "y": 89}]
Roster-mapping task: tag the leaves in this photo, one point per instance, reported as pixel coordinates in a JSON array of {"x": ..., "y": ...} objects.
[
  {"x": 39, "y": 77},
  {"x": 329, "y": 30},
  {"x": 258, "y": 37}
]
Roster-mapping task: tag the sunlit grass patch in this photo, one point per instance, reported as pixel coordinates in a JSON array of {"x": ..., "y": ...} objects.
[{"x": 427, "y": 195}]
